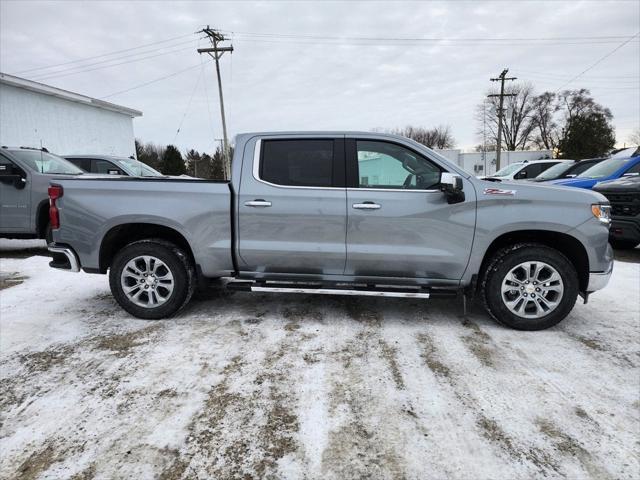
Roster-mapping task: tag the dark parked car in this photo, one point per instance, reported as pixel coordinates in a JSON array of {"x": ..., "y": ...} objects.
[
  {"x": 624, "y": 195},
  {"x": 567, "y": 170},
  {"x": 112, "y": 165}
]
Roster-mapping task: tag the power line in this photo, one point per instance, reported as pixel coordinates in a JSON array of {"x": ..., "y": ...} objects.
[
  {"x": 601, "y": 59},
  {"x": 587, "y": 39},
  {"x": 81, "y": 68},
  {"x": 113, "y": 64},
  {"x": 104, "y": 54},
  {"x": 407, "y": 43},
  {"x": 592, "y": 77},
  {"x": 188, "y": 106},
  {"x": 151, "y": 81}
]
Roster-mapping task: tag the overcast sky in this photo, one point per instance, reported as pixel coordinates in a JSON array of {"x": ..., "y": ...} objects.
[{"x": 313, "y": 72}]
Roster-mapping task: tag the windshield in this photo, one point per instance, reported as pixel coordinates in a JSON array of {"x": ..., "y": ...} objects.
[
  {"x": 554, "y": 172},
  {"x": 508, "y": 170},
  {"x": 604, "y": 168},
  {"x": 44, "y": 162},
  {"x": 138, "y": 168}
]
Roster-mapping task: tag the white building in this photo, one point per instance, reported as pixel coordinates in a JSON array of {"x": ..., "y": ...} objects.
[
  {"x": 33, "y": 114},
  {"x": 478, "y": 163}
]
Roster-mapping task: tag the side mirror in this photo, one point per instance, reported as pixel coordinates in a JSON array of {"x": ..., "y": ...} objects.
[
  {"x": 18, "y": 181},
  {"x": 451, "y": 186}
]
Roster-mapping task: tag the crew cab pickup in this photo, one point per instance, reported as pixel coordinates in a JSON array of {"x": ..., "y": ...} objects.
[
  {"x": 337, "y": 213},
  {"x": 24, "y": 178}
]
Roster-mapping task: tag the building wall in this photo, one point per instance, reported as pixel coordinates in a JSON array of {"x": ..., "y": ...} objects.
[{"x": 33, "y": 119}]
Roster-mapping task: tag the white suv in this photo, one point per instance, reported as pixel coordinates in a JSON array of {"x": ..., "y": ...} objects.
[{"x": 524, "y": 170}]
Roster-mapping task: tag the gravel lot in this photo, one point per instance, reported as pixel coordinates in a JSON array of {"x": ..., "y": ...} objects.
[{"x": 276, "y": 386}]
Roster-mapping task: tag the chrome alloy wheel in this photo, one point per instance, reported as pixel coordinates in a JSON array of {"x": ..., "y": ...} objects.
[
  {"x": 532, "y": 289},
  {"x": 147, "y": 281}
]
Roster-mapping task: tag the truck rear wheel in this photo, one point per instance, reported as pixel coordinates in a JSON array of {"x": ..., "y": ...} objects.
[
  {"x": 529, "y": 287},
  {"x": 152, "y": 279}
]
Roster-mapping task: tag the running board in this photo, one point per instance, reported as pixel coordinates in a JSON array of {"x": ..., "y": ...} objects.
[{"x": 373, "y": 291}]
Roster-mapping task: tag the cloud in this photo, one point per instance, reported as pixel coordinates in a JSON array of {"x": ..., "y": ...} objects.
[{"x": 278, "y": 82}]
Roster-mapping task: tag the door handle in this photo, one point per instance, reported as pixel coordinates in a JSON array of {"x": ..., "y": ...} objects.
[
  {"x": 259, "y": 202},
  {"x": 366, "y": 206}
]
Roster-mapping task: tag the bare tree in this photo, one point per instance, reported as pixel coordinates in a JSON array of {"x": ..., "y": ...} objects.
[
  {"x": 546, "y": 129},
  {"x": 437, "y": 137},
  {"x": 553, "y": 115},
  {"x": 575, "y": 103},
  {"x": 634, "y": 138},
  {"x": 516, "y": 127}
]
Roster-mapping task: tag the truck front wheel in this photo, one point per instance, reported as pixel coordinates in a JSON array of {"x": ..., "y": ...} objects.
[
  {"x": 152, "y": 279},
  {"x": 529, "y": 286}
]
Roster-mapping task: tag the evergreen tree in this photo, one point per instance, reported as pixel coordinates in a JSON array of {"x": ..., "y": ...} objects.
[
  {"x": 195, "y": 165},
  {"x": 172, "y": 162},
  {"x": 587, "y": 136}
]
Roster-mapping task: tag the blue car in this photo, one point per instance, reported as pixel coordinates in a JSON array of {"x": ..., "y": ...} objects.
[{"x": 609, "y": 169}]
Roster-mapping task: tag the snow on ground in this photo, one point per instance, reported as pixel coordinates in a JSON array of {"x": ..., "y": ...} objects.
[{"x": 275, "y": 386}]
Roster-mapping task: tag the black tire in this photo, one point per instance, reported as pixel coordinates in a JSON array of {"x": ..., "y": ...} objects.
[
  {"x": 508, "y": 258},
  {"x": 623, "y": 244},
  {"x": 176, "y": 261},
  {"x": 48, "y": 233}
]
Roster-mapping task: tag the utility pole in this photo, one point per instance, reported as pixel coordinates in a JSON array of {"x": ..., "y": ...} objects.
[
  {"x": 216, "y": 52},
  {"x": 501, "y": 78},
  {"x": 484, "y": 137}
]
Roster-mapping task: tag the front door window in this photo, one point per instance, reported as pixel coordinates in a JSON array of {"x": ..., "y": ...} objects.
[{"x": 390, "y": 166}]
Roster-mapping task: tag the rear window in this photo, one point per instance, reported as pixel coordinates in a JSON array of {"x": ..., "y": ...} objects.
[
  {"x": 43, "y": 162},
  {"x": 306, "y": 163}
]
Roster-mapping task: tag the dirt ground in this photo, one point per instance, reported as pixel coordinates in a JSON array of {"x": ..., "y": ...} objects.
[{"x": 284, "y": 386}]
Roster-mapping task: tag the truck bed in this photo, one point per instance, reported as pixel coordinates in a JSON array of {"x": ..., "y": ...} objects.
[{"x": 199, "y": 210}]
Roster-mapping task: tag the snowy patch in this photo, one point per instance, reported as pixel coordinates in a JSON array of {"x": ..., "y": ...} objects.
[{"x": 268, "y": 385}]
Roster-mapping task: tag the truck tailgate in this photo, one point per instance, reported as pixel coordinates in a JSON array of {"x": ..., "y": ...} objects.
[{"x": 199, "y": 210}]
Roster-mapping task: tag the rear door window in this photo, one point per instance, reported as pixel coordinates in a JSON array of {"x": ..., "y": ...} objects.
[
  {"x": 83, "y": 163},
  {"x": 305, "y": 162},
  {"x": 104, "y": 166},
  {"x": 581, "y": 167}
]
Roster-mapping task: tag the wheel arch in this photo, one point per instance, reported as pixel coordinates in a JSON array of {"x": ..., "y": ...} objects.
[
  {"x": 566, "y": 244},
  {"x": 42, "y": 218},
  {"x": 121, "y": 235}
]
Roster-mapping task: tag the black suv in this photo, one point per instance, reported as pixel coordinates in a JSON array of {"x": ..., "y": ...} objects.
[{"x": 624, "y": 195}]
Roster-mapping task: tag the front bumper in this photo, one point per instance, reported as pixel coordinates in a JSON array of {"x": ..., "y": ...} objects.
[
  {"x": 599, "y": 280},
  {"x": 64, "y": 258},
  {"x": 625, "y": 229}
]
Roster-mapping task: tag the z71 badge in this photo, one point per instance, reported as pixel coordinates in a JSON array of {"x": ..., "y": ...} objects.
[{"x": 498, "y": 191}]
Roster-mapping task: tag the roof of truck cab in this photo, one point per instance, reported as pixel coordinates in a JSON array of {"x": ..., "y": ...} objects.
[{"x": 323, "y": 132}]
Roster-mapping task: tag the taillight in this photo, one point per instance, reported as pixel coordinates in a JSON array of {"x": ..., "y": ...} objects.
[{"x": 55, "y": 192}]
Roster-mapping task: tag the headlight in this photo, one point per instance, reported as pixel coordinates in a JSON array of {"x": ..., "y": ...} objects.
[{"x": 602, "y": 213}]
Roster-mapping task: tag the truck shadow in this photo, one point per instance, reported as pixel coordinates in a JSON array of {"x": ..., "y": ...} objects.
[{"x": 334, "y": 308}]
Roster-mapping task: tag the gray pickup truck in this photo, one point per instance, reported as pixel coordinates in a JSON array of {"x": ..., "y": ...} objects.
[
  {"x": 25, "y": 174},
  {"x": 337, "y": 213}
]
